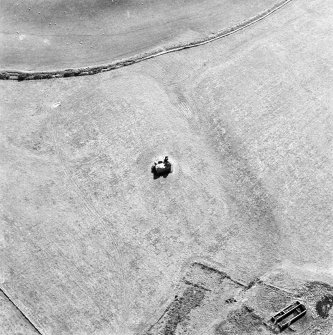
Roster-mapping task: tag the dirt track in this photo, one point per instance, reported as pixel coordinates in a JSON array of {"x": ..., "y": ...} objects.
[{"x": 99, "y": 245}]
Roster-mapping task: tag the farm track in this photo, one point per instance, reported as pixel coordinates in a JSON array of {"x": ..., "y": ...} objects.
[
  {"x": 91, "y": 70},
  {"x": 34, "y": 327}
]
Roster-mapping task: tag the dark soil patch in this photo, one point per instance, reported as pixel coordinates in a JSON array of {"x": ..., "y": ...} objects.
[
  {"x": 324, "y": 306},
  {"x": 181, "y": 308},
  {"x": 242, "y": 321}
]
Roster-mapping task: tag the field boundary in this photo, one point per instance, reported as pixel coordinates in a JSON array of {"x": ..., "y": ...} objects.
[
  {"x": 17, "y": 308},
  {"x": 90, "y": 70}
]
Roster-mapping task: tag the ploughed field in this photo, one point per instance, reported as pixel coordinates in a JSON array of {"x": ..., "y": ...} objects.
[{"x": 93, "y": 244}]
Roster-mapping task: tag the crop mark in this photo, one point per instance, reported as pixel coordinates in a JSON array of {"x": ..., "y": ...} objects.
[
  {"x": 91, "y": 70},
  {"x": 202, "y": 281},
  {"x": 90, "y": 209},
  {"x": 47, "y": 252},
  {"x": 198, "y": 282}
]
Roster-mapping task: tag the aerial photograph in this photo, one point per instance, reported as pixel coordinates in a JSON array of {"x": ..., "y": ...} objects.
[{"x": 166, "y": 167}]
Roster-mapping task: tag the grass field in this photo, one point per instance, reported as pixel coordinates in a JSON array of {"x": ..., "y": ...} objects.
[
  {"x": 92, "y": 244},
  {"x": 48, "y": 35}
]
